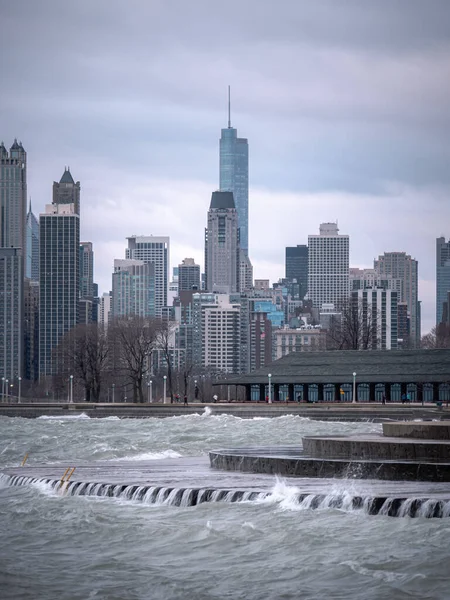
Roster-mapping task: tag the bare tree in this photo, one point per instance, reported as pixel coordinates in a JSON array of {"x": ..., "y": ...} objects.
[
  {"x": 439, "y": 337},
  {"x": 165, "y": 343},
  {"x": 357, "y": 327},
  {"x": 83, "y": 353},
  {"x": 134, "y": 338}
]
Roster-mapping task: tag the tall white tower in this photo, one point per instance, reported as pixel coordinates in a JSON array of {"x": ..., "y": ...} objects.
[{"x": 328, "y": 266}]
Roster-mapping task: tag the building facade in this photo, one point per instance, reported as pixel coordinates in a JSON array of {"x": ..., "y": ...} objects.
[
  {"x": 59, "y": 279},
  {"x": 442, "y": 275},
  {"x": 133, "y": 288},
  {"x": 380, "y": 313},
  {"x": 86, "y": 270},
  {"x": 32, "y": 247},
  {"x": 222, "y": 252},
  {"x": 234, "y": 176},
  {"x": 296, "y": 267},
  {"x": 328, "y": 266},
  {"x": 188, "y": 275},
  {"x": 13, "y": 193},
  {"x": 402, "y": 271},
  {"x": 67, "y": 191},
  {"x": 155, "y": 250}
]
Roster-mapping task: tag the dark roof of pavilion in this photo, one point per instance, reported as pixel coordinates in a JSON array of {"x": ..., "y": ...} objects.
[{"x": 388, "y": 366}]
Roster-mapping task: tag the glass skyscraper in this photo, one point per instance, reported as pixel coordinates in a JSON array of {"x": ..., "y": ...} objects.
[
  {"x": 442, "y": 275},
  {"x": 234, "y": 176}
]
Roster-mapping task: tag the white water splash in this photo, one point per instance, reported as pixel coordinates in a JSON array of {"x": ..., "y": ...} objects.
[
  {"x": 64, "y": 417},
  {"x": 149, "y": 456},
  {"x": 207, "y": 412}
]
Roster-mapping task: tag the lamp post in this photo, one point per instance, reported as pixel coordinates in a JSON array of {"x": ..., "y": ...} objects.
[
  {"x": 3, "y": 389},
  {"x": 354, "y": 389},
  {"x": 151, "y": 391},
  {"x": 7, "y": 389},
  {"x": 165, "y": 383},
  {"x": 71, "y": 388},
  {"x": 113, "y": 390},
  {"x": 20, "y": 389},
  {"x": 270, "y": 388},
  {"x": 148, "y": 391}
]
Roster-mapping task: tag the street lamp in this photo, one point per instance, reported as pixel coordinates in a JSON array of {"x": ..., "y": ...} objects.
[
  {"x": 71, "y": 388},
  {"x": 3, "y": 389},
  {"x": 7, "y": 389},
  {"x": 165, "y": 382},
  {"x": 151, "y": 391},
  {"x": 354, "y": 389},
  {"x": 270, "y": 388},
  {"x": 148, "y": 391},
  {"x": 20, "y": 389}
]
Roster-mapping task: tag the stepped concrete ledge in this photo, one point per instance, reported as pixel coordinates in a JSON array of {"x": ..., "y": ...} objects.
[
  {"x": 191, "y": 481},
  {"x": 417, "y": 430},
  {"x": 366, "y": 456}
]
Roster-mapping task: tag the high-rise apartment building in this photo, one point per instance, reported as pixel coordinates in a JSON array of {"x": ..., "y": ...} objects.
[
  {"x": 380, "y": 314},
  {"x": 234, "y": 175},
  {"x": 67, "y": 191},
  {"x": 133, "y": 288},
  {"x": 59, "y": 279},
  {"x": 13, "y": 193},
  {"x": 104, "y": 309},
  {"x": 188, "y": 275},
  {"x": 328, "y": 266},
  {"x": 155, "y": 250},
  {"x": 216, "y": 320},
  {"x": 442, "y": 275},
  {"x": 31, "y": 329},
  {"x": 297, "y": 267},
  {"x": 222, "y": 253},
  {"x": 400, "y": 267},
  {"x": 32, "y": 247}
]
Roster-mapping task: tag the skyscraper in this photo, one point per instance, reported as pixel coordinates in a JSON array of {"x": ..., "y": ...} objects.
[
  {"x": 156, "y": 250},
  {"x": 222, "y": 257},
  {"x": 297, "y": 266},
  {"x": 32, "y": 247},
  {"x": 234, "y": 174},
  {"x": 442, "y": 275},
  {"x": 133, "y": 288},
  {"x": 188, "y": 275},
  {"x": 59, "y": 279},
  {"x": 328, "y": 266},
  {"x": 86, "y": 270},
  {"x": 13, "y": 193},
  {"x": 401, "y": 270},
  {"x": 67, "y": 191}
]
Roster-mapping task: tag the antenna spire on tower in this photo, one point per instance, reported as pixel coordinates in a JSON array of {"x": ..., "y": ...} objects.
[{"x": 229, "y": 108}]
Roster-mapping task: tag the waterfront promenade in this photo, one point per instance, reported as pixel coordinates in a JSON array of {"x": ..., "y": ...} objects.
[{"x": 332, "y": 411}]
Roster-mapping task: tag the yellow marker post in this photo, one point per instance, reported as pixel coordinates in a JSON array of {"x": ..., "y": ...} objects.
[
  {"x": 24, "y": 460},
  {"x": 70, "y": 474},
  {"x": 64, "y": 476}
]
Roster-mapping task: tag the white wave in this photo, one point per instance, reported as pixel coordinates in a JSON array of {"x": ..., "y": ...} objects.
[
  {"x": 286, "y": 496},
  {"x": 65, "y": 417},
  {"x": 149, "y": 456},
  {"x": 207, "y": 412}
]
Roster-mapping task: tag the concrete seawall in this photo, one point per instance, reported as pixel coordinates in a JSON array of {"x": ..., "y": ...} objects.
[{"x": 323, "y": 411}]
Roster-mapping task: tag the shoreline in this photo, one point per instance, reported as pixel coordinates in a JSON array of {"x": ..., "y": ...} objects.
[{"x": 323, "y": 411}]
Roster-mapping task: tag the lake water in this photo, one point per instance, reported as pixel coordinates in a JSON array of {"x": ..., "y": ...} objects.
[{"x": 62, "y": 547}]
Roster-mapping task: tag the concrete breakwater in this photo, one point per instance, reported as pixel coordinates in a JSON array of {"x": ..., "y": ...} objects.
[{"x": 323, "y": 411}]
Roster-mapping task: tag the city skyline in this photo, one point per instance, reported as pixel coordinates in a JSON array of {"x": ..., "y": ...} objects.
[{"x": 346, "y": 122}]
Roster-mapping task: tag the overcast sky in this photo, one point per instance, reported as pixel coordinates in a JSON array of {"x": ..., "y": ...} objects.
[{"x": 345, "y": 104}]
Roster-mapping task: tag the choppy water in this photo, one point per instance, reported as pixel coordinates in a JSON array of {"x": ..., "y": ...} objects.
[{"x": 78, "y": 547}]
